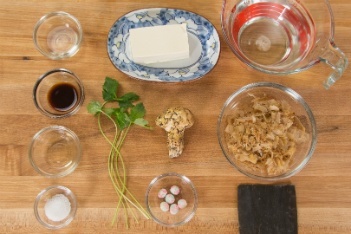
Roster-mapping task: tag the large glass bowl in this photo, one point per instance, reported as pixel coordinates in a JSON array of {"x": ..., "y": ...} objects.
[
  {"x": 187, "y": 192},
  {"x": 232, "y": 149}
]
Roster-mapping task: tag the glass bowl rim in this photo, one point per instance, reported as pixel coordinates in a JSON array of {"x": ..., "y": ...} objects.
[
  {"x": 40, "y": 195},
  {"x": 295, "y": 96},
  {"x": 65, "y": 172},
  {"x": 69, "y": 113},
  {"x": 188, "y": 182},
  {"x": 42, "y": 20},
  {"x": 257, "y": 67}
]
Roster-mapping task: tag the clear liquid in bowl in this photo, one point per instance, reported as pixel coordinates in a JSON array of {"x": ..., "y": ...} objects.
[
  {"x": 272, "y": 35},
  {"x": 62, "y": 39}
]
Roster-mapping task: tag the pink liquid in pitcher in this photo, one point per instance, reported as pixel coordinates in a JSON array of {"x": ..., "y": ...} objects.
[{"x": 272, "y": 34}]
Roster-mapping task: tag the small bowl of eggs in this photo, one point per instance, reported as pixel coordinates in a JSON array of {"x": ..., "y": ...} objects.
[{"x": 171, "y": 199}]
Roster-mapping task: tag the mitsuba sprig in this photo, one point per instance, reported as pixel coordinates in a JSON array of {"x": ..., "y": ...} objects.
[{"x": 123, "y": 116}]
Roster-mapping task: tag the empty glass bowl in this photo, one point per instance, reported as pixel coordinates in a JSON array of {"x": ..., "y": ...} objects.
[
  {"x": 55, "y": 151},
  {"x": 58, "y": 93},
  {"x": 58, "y": 35},
  {"x": 55, "y": 207},
  {"x": 187, "y": 192},
  {"x": 259, "y": 138}
]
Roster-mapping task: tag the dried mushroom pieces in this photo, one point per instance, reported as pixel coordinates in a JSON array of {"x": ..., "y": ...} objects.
[
  {"x": 175, "y": 120},
  {"x": 264, "y": 135}
]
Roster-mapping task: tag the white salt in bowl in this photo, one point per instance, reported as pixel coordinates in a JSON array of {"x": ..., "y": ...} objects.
[{"x": 55, "y": 207}]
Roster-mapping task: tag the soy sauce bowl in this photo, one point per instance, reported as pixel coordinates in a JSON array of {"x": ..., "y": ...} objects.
[{"x": 58, "y": 93}]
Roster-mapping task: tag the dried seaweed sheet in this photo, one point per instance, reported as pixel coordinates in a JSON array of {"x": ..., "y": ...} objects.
[{"x": 267, "y": 209}]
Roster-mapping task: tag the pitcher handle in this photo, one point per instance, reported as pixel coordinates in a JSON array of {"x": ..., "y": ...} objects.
[{"x": 337, "y": 60}]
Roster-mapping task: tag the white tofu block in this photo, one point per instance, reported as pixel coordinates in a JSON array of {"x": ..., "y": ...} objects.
[{"x": 159, "y": 43}]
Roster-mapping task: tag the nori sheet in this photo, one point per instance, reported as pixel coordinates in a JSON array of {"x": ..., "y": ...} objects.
[{"x": 267, "y": 209}]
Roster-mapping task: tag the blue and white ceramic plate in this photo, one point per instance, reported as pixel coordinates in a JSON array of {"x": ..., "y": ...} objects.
[{"x": 203, "y": 43}]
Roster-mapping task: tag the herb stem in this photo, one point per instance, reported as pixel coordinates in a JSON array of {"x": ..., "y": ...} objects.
[
  {"x": 114, "y": 173},
  {"x": 122, "y": 117}
]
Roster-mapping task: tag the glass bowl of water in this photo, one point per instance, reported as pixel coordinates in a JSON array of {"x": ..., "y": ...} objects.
[
  {"x": 55, "y": 151},
  {"x": 283, "y": 36},
  {"x": 58, "y": 35}
]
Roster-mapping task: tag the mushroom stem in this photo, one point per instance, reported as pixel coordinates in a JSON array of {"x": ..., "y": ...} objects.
[{"x": 175, "y": 143}]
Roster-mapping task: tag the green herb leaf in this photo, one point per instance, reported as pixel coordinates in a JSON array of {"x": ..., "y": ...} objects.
[
  {"x": 131, "y": 97},
  {"x": 138, "y": 111},
  {"x": 94, "y": 107},
  {"x": 109, "y": 89},
  {"x": 122, "y": 119},
  {"x": 110, "y": 111},
  {"x": 127, "y": 100},
  {"x": 142, "y": 123}
]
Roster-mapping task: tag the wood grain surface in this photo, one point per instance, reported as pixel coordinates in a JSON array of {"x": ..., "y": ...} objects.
[{"x": 323, "y": 188}]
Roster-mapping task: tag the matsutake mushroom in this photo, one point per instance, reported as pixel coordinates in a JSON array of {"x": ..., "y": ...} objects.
[{"x": 175, "y": 120}]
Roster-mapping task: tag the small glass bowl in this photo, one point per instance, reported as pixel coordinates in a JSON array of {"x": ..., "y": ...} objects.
[
  {"x": 244, "y": 97},
  {"x": 58, "y": 35},
  {"x": 56, "y": 82},
  {"x": 187, "y": 192},
  {"x": 41, "y": 212},
  {"x": 55, "y": 151}
]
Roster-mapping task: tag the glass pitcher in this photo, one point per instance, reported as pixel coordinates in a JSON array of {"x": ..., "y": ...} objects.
[{"x": 283, "y": 36}]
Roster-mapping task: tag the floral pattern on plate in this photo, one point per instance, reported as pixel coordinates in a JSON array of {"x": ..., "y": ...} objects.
[{"x": 197, "y": 26}]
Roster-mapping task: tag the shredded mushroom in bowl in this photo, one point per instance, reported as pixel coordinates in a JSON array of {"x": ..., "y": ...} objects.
[{"x": 264, "y": 134}]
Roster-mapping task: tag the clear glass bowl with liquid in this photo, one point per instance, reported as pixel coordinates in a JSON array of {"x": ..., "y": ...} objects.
[
  {"x": 58, "y": 35},
  {"x": 55, "y": 151},
  {"x": 283, "y": 36}
]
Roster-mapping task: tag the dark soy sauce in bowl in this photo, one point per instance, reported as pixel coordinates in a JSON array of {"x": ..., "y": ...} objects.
[{"x": 62, "y": 97}]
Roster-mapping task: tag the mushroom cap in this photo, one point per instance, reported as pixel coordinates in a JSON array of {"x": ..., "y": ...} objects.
[{"x": 175, "y": 119}]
